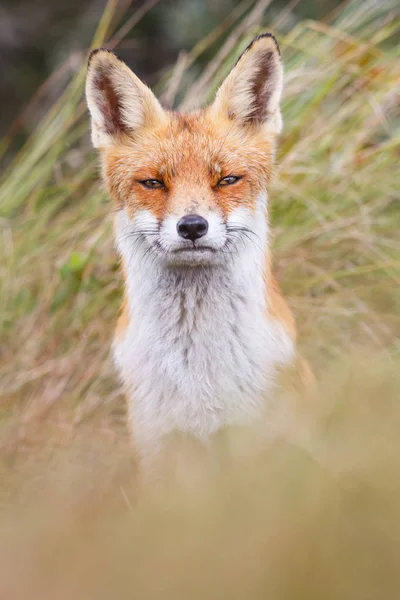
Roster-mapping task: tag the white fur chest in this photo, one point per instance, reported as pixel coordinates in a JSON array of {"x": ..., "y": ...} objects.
[{"x": 200, "y": 351}]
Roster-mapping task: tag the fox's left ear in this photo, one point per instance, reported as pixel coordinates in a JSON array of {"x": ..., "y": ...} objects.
[{"x": 250, "y": 94}]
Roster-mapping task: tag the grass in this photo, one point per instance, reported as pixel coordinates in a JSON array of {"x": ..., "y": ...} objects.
[{"x": 331, "y": 519}]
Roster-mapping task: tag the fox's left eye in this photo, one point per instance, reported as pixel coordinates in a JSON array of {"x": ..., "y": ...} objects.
[
  {"x": 229, "y": 180},
  {"x": 152, "y": 184}
]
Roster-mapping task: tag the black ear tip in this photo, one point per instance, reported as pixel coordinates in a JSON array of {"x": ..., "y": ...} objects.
[
  {"x": 272, "y": 37},
  {"x": 265, "y": 35},
  {"x": 96, "y": 51}
]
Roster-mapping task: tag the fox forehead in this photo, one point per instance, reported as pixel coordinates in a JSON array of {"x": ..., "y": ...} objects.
[
  {"x": 212, "y": 144},
  {"x": 189, "y": 153}
]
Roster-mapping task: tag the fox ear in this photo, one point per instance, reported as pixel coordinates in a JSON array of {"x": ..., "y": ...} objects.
[
  {"x": 251, "y": 92},
  {"x": 119, "y": 103}
]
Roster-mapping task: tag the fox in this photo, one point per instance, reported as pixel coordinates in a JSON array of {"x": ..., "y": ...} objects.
[{"x": 204, "y": 330}]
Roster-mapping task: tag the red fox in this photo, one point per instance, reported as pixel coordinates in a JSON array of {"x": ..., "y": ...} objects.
[{"x": 204, "y": 329}]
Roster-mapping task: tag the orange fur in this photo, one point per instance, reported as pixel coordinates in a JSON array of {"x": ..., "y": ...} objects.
[
  {"x": 123, "y": 319},
  {"x": 190, "y": 153},
  {"x": 277, "y": 306}
]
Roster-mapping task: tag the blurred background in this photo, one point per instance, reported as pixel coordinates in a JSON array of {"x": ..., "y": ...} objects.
[
  {"x": 320, "y": 501},
  {"x": 36, "y": 38}
]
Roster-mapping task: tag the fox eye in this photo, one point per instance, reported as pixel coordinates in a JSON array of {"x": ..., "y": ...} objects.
[
  {"x": 152, "y": 184},
  {"x": 229, "y": 180}
]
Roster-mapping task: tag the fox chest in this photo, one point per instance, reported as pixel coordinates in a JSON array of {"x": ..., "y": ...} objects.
[{"x": 196, "y": 365}]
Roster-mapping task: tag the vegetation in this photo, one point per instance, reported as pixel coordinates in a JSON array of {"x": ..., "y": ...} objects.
[{"x": 315, "y": 515}]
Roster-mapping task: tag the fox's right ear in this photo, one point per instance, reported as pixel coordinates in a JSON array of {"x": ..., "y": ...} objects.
[{"x": 119, "y": 103}]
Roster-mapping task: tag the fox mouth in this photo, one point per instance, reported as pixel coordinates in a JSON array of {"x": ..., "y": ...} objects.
[
  {"x": 192, "y": 256},
  {"x": 194, "y": 249}
]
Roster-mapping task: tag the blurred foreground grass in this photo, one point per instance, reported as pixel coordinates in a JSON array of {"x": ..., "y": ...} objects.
[{"x": 311, "y": 513}]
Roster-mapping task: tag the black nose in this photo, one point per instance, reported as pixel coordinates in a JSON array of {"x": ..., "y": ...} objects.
[{"x": 192, "y": 227}]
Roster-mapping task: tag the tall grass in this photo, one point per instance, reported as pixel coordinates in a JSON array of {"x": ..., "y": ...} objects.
[
  {"x": 333, "y": 203},
  {"x": 309, "y": 513}
]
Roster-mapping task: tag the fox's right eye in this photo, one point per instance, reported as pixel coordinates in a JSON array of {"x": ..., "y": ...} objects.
[{"x": 152, "y": 184}]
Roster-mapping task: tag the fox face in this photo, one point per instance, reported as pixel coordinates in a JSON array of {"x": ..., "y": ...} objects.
[{"x": 192, "y": 188}]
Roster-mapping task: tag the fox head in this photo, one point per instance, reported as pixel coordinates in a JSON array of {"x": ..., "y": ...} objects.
[{"x": 192, "y": 188}]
